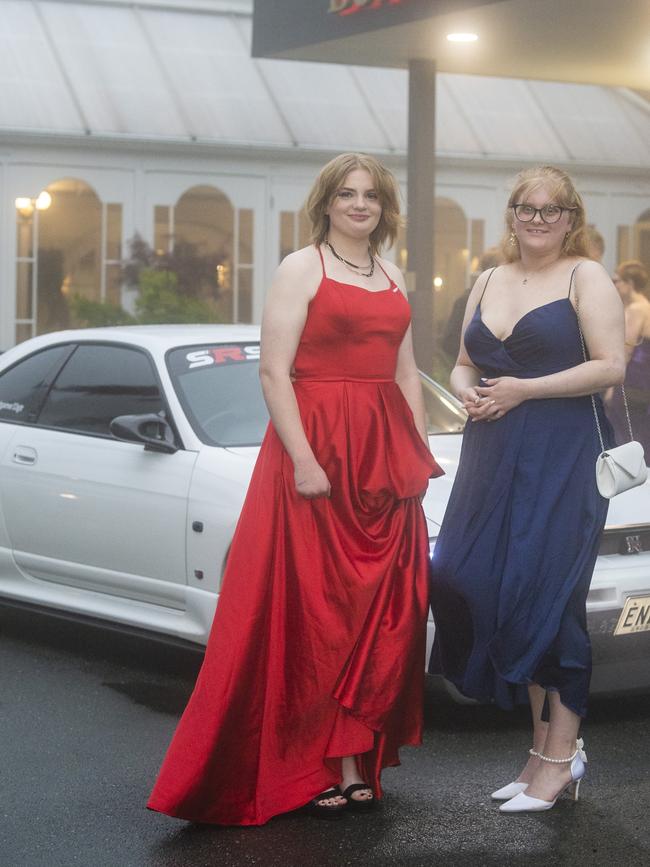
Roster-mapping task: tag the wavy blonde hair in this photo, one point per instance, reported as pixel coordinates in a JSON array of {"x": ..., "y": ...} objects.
[
  {"x": 563, "y": 192},
  {"x": 329, "y": 181}
]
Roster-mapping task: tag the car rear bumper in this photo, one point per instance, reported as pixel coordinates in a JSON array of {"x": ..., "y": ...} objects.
[{"x": 620, "y": 662}]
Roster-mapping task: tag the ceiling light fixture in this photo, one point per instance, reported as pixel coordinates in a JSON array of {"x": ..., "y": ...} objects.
[{"x": 462, "y": 37}]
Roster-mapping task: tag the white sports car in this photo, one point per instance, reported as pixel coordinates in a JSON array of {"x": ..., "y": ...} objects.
[{"x": 125, "y": 457}]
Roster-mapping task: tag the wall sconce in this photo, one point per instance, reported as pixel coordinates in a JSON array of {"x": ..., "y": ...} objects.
[
  {"x": 223, "y": 275},
  {"x": 25, "y": 205},
  {"x": 437, "y": 283},
  {"x": 43, "y": 201}
]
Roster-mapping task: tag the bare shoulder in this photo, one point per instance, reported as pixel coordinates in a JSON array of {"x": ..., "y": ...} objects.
[
  {"x": 592, "y": 279},
  {"x": 640, "y": 305},
  {"x": 301, "y": 262},
  {"x": 299, "y": 272},
  {"x": 595, "y": 296},
  {"x": 589, "y": 268},
  {"x": 481, "y": 282},
  {"x": 394, "y": 272}
]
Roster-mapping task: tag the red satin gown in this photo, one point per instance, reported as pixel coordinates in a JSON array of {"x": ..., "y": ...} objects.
[{"x": 318, "y": 642}]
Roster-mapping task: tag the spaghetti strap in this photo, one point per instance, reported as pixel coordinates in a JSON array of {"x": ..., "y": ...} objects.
[
  {"x": 322, "y": 261},
  {"x": 571, "y": 279},
  {"x": 386, "y": 275},
  {"x": 486, "y": 285}
]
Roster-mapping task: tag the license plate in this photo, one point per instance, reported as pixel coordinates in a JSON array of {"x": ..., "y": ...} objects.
[{"x": 635, "y": 616}]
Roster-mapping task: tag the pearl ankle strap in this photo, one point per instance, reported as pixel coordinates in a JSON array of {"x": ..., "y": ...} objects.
[
  {"x": 579, "y": 752},
  {"x": 557, "y": 761}
]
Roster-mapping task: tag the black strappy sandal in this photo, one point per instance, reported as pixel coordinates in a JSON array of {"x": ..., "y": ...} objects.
[
  {"x": 325, "y": 811},
  {"x": 354, "y": 803}
]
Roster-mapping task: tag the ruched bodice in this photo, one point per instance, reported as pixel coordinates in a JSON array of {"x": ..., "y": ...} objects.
[
  {"x": 545, "y": 340},
  {"x": 519, "y": 539}
]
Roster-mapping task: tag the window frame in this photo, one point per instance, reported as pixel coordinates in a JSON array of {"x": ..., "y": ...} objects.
[{"x": 44, "y": 390}]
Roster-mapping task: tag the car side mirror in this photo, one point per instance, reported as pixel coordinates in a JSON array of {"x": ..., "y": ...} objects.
[{"x": 151, "y": 429}]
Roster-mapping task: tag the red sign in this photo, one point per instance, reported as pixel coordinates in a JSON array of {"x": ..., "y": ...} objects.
[
  {"x": 349, "y": 7},
  {"x": 281, "y": 27}
]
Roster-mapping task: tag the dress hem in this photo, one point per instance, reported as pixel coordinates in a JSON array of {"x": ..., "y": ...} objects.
[
  {"x": 334, "y": 781},
  {"x": 485, "y": 698}
]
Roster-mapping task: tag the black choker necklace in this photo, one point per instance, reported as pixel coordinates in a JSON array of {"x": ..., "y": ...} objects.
[{"x": 357, "y": 268}]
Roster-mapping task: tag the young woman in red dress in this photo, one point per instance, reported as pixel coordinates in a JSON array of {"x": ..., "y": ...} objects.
[{"x": 313, "y": 674}]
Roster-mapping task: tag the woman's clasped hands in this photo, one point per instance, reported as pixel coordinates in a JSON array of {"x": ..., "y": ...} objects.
[{"x": 493, "y": 398}]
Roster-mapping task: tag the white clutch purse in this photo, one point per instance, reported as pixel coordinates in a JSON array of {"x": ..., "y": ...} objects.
[{"x": 620, "y": 469}]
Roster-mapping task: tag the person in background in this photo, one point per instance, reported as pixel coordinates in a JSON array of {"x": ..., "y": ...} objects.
[
  {"x": 631, "y": 280},
  {"x": 518, "y": 543},
  {"x": 489, "y": 258}
]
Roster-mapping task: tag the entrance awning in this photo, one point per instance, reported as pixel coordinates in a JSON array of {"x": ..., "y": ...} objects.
[{"x": 590, "y": 41}]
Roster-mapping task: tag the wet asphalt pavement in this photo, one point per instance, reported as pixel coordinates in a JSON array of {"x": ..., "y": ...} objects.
[{"x": 86, "y": 715}]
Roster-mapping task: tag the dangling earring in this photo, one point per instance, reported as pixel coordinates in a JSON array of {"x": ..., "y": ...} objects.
[
  {"x": 566, "y": 238},
  {"x": 513, "y": 238}
]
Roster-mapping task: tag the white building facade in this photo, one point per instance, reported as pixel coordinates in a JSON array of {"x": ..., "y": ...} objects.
[{"x": 152, "y": 119}]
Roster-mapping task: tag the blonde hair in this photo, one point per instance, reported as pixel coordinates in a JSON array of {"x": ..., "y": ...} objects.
[
  {"x": 563, "y": 192},
  {"x": 633, "y": 271},
  {"x": 329, "y": 181}
]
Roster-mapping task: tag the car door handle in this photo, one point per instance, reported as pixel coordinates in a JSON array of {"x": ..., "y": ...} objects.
[{"x": 24, "y": 455}]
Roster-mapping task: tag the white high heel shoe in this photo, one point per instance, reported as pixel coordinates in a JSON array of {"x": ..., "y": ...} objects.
[
  {"x": 522, "y": 803},
  {"x": 512, "y": 789}
]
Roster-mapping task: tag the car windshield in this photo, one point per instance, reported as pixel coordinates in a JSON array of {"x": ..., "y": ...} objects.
[{"x": 219, "y": 388}]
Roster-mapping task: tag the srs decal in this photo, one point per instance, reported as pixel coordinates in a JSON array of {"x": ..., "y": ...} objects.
[{"x": 222, "y": 355}]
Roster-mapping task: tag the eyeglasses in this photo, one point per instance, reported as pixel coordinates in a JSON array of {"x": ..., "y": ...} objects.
[{"x": 548, "y": 214}]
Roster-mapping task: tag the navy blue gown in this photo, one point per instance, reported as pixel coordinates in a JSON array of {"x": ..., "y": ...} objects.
[{"x": 519, "y": 540}]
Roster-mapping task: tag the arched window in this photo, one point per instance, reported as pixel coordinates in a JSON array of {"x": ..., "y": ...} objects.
[
  {"x": 69, "y": 244},
  {"x": 210, "y": 229}
]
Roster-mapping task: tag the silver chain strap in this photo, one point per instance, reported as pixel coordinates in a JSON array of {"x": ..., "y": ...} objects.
[{"x": 584, "y": 355}]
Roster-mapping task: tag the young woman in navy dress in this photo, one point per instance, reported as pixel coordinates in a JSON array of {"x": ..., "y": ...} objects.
[{"x": 517, "y": 547}]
